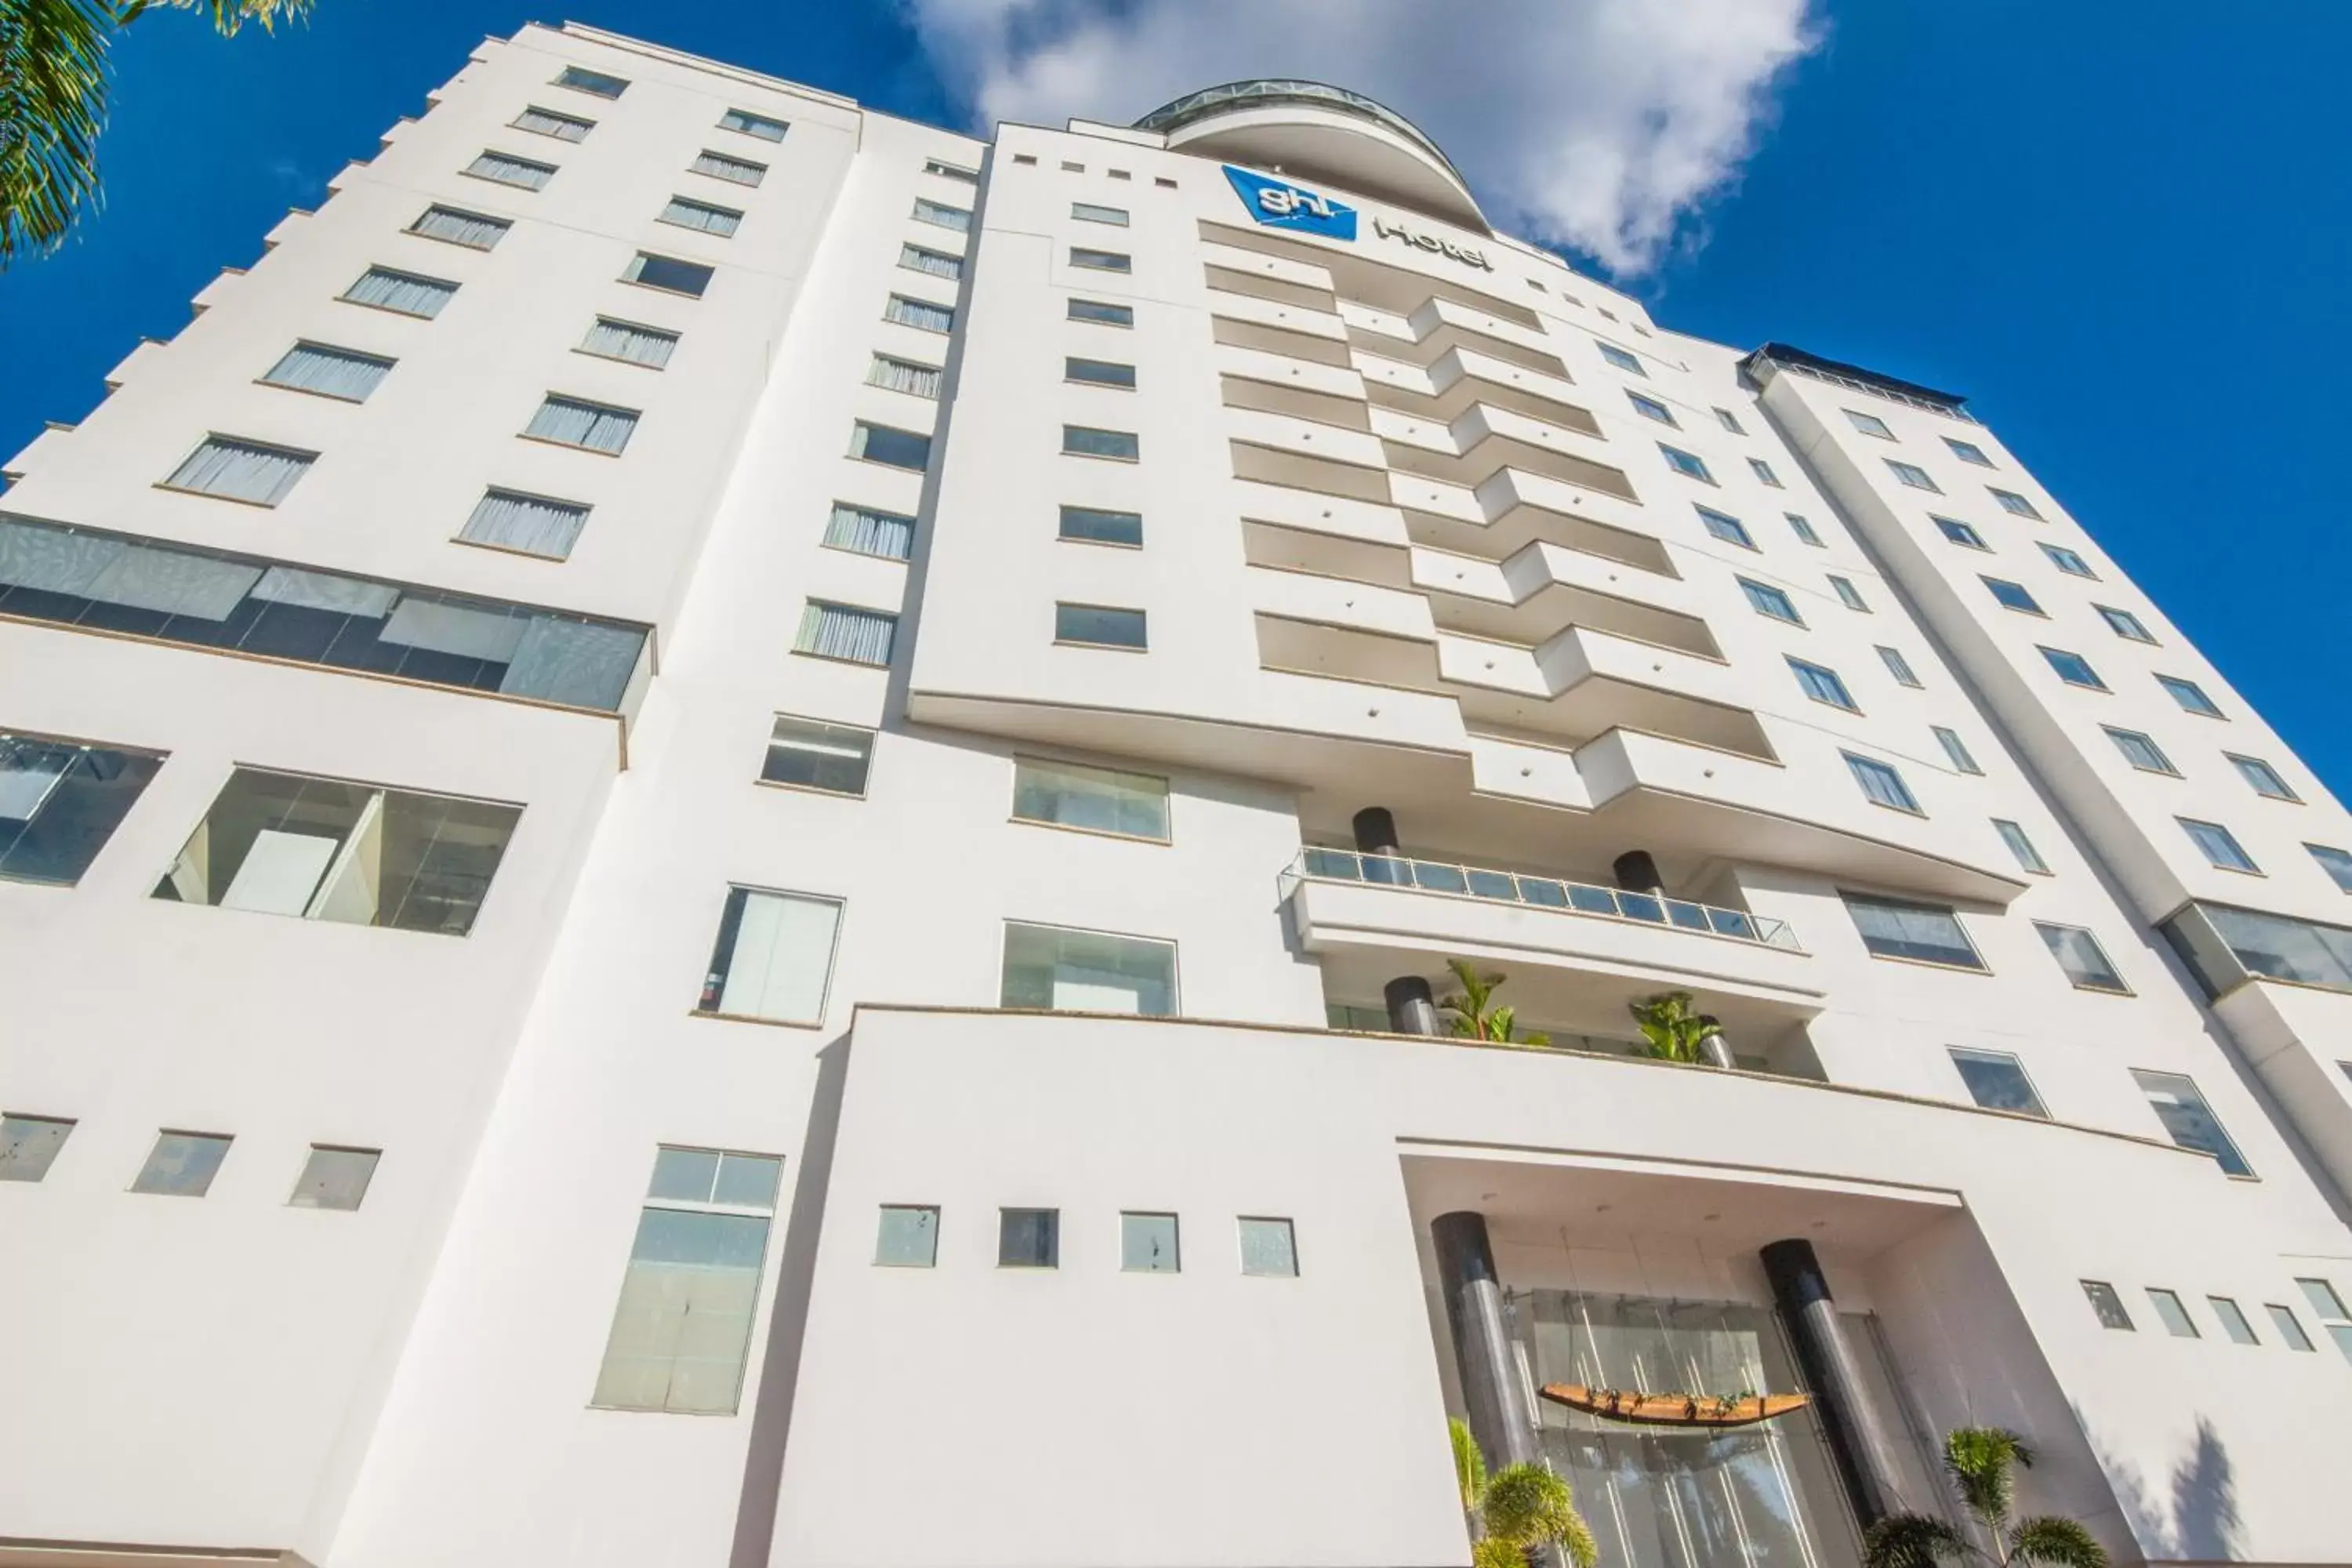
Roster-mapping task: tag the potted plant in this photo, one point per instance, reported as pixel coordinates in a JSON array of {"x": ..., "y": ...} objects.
[
  {"x": 1982, "y": 1462},
  {"x": 1472, "y": 1016},
  {"x": 1678, "y": 1033}
]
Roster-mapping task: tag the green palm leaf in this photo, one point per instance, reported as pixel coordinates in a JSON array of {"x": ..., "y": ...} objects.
[
  {"x": 1527, "y": 1505},
  {"x": 52, "y": 107},
  {"x": 1488, "y": 1552},
  {"x": 1469, "y": 1464},
  {"x": 2061, "y": 1542},
  {"x": 1912, "y": 1541},
  {"x": 1982, "y": 1462}
]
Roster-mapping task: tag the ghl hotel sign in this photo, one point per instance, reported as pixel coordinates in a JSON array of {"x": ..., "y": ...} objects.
[{"x": 1278, "y": 204}]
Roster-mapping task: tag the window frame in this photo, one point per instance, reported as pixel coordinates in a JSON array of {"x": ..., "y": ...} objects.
[
  {"x": 2022, "y": 506},
  {"x": 1781, "y": 607},
  {"x": 1175, "y": 962},
  {"x": 2059, "y": 555},
  {"x": 1899, "y": 667},
  {"x": 1869, "y": 424},
  {"x": 1062, "y": 527},
  {"x": 1905, "y": 474},
  {"x": 1167, "y": 799},
  {"x": 1142, "y": 618},
  {"x": 2118, "y": 620},
  {"x": 1956, "y": 751},
  {"x": 1865, "y": 769},
  {"x": 2140, "y": 1076},
  {"x": 2254, "y": 771},
  {"x": 2104, "y": 1298},
  {"x": 1963, "y": 534},
  {"x": 714, "y": 979},
  {"x": 1127, "y": 325},
  {"x": 1763, "y": 473},
  {"x": 2040, "y": 1111},
  {"x": 865, "y": 767},
  {"x": 1087, "y": 258},
  {"x": 2126, "y": 740},
  {"x": 2022, "y": 847},
  {"x": 2190, "y": 825},
  {"x": 1697, "y": 470},
  {"x": 1799, "y": 666},
  {"x": 386, "y": 362},
  {"x": 2048, "y": 930},
  {"x": 1850, "y": 897},
  {"x": 2175, "y": 685},
  {"x": 783, "y": 127},
  {"x": 635, "y": 263},
  {"x": 2050, "y": 655},
  {"x": 1728, "y": 529},
  {"x": 2030, "y": 606},
  {"x": 1969, "y": 452},
  {"x": 1650, "y": 408},
  {"x": 563, "y": 79},
  {"x": 1848, "y": 595}
]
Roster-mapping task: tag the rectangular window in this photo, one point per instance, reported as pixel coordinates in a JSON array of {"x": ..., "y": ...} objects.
[
  {"x": 629, "y": 342},
  {"x": 2066, "y": 561},
  {"x": 1688, "y": 464},
  {"x": 1085, "y": 441},
  {"x": 585, "y": 80},
  {"x": 2073, "y": 669},
  {"x": 2189, "y": 1121},
  {"x": 2029, "y": 859},
  {"x": 1969, "y": 452},
  {"x": 1848, "y": 595},
  {"x": 1955, "y": 750},
  {"x": 345, "y": 374},
  {"x": 1961, "y": 533},
  {"x": 1767, "y": 600},
  {"x": 509, "y": 169},
  {"x": 1729, "y": 420},
  {"x": 1269, "y": 1247},
  {"x": 1869, "y": 424},
  {"x": 947, "y": 171},
  {"x": 668, "y": 274},
  {"x": 2175, "y": 1316},
  {"x": 1028, "y": 1238},
  {"x": 752, "y": 124},
  {"x": 1025, "y": 158},
  {"x": 862, "y": 530},
  {"x": 1621, "y": 359},
  {"x": 2011, "y": 596},
  {"x": 2290, "y": 1329},
  {"x": 534, "y": 525},
  {"x": 1924, "y": 933},
  {"x": 1651, "y": 408},
  {"x": 1897, "y": 666},
  {"x": 2220, "y": 844},
  {"x": 937, "y": 263},
  {"x": 29, "y": 1145},
  {"x": 2336, "y": 863},
  {"x": 773, "y": 958},
  {"x": 576, "y": 422},
  {"x": 1804, "y": 531},
  {"x": 472, "y": 231},
  {"x": 1102, "y": 312},
  {"x": 2232, "y": 1320},
  {"x": 240, "y": 470},
  {"x": 2330, "y": 1306},
  {"x": 2123, "y": 624},
  {"x": 1098, "y": 625},
  {"x": 61, "y": 801},
  {"x": 1914, "y": 477},
  {"x": 329, "y": 849},
  {"x": 334, "y": 1178},
  {"x": 904, "y": 376},
  {"x": 1098, "y": 373},
  {"x": 2015, "y": 505},
  {"x": 701, "y": 217},
  {"x": 1057, "y": 969},
  {"x": 1099, "y": 800},
  {"x": 907, "y": 1236},
  {"x": 891, "y": 446},
  {"x": 182, "y": 1164},
  {"x": 734, "y": 170},
  {"x": 2263, "y": 777},
  {"x": 2141, "y": 751},
  {"x": 2107, "y": 1305},
  {"x": 1730, "y": 530},
  {"x": 807, "y": 753},
  {"x": 1822, "y": 684},
  {"x": 682, "y": 1327},
  {"x": 2078, "y": 953},
  {"x": 1881, "y": 783},
  {"x": 1147, "y": 1244},
  {"x": 1997, "y": 1081},
  {"x": 843, "y": 632},
  {"x": 404, "y": 293},
  {"x": 1763, "y": 472},
  {"x": 2190, "y": 696},
  {"x": 944, "y": 216},
  {"x": 919, "y": 313},
  {"x": 1101, "y": 260},
  {"x": 1093, "y": 525},
  {"x": 1090, "y": 212}
]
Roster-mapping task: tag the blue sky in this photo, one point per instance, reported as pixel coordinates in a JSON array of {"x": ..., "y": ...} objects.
[{"x": 2121, "y": 230}]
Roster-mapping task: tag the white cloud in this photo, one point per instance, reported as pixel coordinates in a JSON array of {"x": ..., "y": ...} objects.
[{"x": 1600, "y": 124}]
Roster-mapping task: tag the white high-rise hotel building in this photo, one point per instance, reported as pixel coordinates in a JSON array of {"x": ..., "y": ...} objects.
[{"x": 726, "y": 827}]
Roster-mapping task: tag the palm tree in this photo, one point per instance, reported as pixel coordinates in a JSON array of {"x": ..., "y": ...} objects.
[
  {"x": 53, "y": 88},
  {"x": 1982, "y": 1462},
  {"x": 1675, "y": 1033},
  {"x": 1517, "y": 1510},
  {"x": 1473, "y": 1018}
]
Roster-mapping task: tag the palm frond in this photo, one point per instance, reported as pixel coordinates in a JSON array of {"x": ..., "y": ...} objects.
[
  {"x": 1527, "y": 1505},
  {"x": 1469, "y": 1464},
  {"x": 1912, "y": 1541},
  {"x": 2061, "y": 1542},
  {"x": 1982, "y": 1462},
  {"x": 53, "y": 82},
  {"x": 1488, "y": 1552},
  {"x": 227, "y": 15}
]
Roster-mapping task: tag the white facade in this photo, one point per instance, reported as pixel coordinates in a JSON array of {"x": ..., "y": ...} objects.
[{"x": 1400, "y": 534}]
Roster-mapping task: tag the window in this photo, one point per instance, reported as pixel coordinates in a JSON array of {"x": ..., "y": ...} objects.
[
  {"x": 845, "y": 632},
  {"x": 2290, "y": 1331},
  {"x": 629, "y": 342},
  {"x": 1101, "y": 260},
  {"x": 533, "y": 525},
  {"x": 1997, "y": 1081},
  {"x": 1881, "y": 783},
  {"x": 2189, "y": 1121},
  {"x": 2066, "y": 561},
  {"x": 1766, "y": 600},
  {"x": 682, "y": 1328},
  {"x": 865, "y": 531},
  {"x": 1147, "y": 1244},
  {"x": 1924, "y": 933},
  {"x": 2189, "y": 695},
  {"x": 1028, "y": 158},
  {"x": 919, "y": 313},
  {"x": 1955, "y": 750},
  {"x": 2073, "y": 669},
  {"x": 2028, "y": 858},
  {"x": 701, "y": 217},
  {"x": 182, "y": 1164},
  {"x": 735, "y": 170},
  {"x": 752, "y": 124},
  {"x": 1961, "y": 533},
  {"x": 1823, "y": 685},
  {"x": 1651, "y": 408},
  {"x": 329, "y": 849},
  {"x": 945, "y": 216},
  {"x": 1897, "y": 666},
  {"x": 509, "y": 170},
  {"x": 1869, "y": 424},
  {"x": 1159, "y": 180},
  {"x": 1119, "y": 174},
  {"x": 2011, "y": 596},
  {"x": 908, "y": 1237},
  {"x": 1849, "y": 596},
  {"x": 404, "y": 293},
  {"x": 240, "y": 470},
  {"x": 1729, "y": 421},
  {"x": 2234, "y": 1322},
  {"x": 29, "y": 1145},
  {"x": 2263, "y": 777},
  {"x": 1107, "y": 314},
  {"x": 2123, "y": 624},
  {"x": 576, "y": 422},
  {"x": 1621, "y": 359},
  {"x": 2220, "y": 847},
  {"x": 1969, "y": 452},
  {"x": 937, "y": 263},
  {"x": 61, "y": 801},
  {"x": 833, "y": 759},
  {"x": 2175, "y": 1316},
  {"x": 1099, "y": 800},
  {"x": 1085, "y": 441},
  {"x": 472, "y": 231},
  {"x": 1070, "y": 168},
  {"x": 773, "y": 958},
  {"x": 1804, "y": 531},
  {"x": 2078, "y": 953},
  {"x": 1688, "y": 464},
  {"x": 668, "y": 274},
  {"x": 1763, "y": 472},
  {"x": 2142, "y": 751},
  {"x": 890, "y": 446},
  {"x": 2336, "y": 863},
  {"x": 904, "y": 376},
  {"x": 950, "y": 171},
  {"x": 1089, "y": 212},
  {"x": 1099, "y": 372},
  {"x": 585, "y": 80},
  {"x": 2325, "y": 1302},
  {"x": 330, "y": 373},
  {"x": 334, "y": 1178},
  {"x": 1269, "y": 1247},
  {"x": 1055, "y": 968},
  {"x": 2107, "y": 1305},
  {"x": 1028, "y": 1238},
  {"x": 1098, "y": 625},
  {"x": 1730, "y": 530},
  {"x": 1915, "y": 477},
  {"x": 2015, "y": 505},
  {"x": 1093, "y": 525}
]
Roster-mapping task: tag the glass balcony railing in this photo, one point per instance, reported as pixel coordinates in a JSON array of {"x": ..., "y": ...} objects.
[{"x": 1538, "y": 893}]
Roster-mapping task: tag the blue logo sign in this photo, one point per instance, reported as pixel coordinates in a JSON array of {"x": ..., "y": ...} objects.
[{"x": 1277, "y": 204}]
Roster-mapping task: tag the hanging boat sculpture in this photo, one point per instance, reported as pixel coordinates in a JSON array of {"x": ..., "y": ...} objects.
[{"x": 1675, "y": 1409}]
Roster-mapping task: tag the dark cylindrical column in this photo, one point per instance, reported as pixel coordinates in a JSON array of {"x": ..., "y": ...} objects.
[
  {"x": 1637, "y": 872},
  {"x": 1491, "y": 1389},
  {"x": 1376, "y": 841},
  {"x": 1412, "y": 1006},
  {"x": 1858, "y": 1434}
]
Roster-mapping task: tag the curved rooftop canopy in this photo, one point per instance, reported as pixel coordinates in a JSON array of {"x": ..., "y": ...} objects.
[{"x": 1313, "y": 130}]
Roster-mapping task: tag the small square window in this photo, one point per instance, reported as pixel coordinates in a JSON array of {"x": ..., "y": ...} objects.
[
  {"x": 807, "y": 753},
  {"x": 2107, "y": 1305},
  {"x": 1730, "y": 530},
  {"x": 947, "y": 171},
  {"x": 1763, "y": 472},
  {"x": 1070, "y": 168},
  {"x": 1028, "y": 160},
  {"x": 2123, "y": 624},
  {"x": 1688, "y": 464},
  {"x": 1997, "y": 1081},
  {"x": 2232, "y": 1320},
  {"x": 29, "y": 1145},
  {"x": 1881, "y": 783},
  {"x": 1147, "y": 1244},
  {"x": 1268, "y": 1248},
  {"x": 1869, "y": 424},
  {"x": 2336, "y": 863},
  {"x": 1729, "y": 421},
  {"x": 1915, "y": 477},
  {"x": 2078, "y": 953},
  {"x": 2011, "y": 596},
  {"x": 1969, "y": 452},
  {"x": 1028, "y": 1238},
  {"x": 1767, "y": 600},
  {"x": 2073, "y": 669},
  {"x": 334, "y": 1178},
  {"x": 1849, "y": 596},
  {"x": 182, "y": 1164},
  {"x": 2016, "y": 505},
  {"x": 2220, "y": 844},
  {"x": 1620, "y": 358},
  {"x": 1099, "y": 625},
  {"x": 1119, "y": 174},
  {"x": 1823, "y": 685},
  {"x": 2142, "y": 751},
  {"x": 1651, "y": 408},
  {"x": 2263, "y": 777},
  {"x": 1163, "y": 182},
  {"x": 909, "y": 1237},
  {"x": 2190, "y": 696},
  {"x": 1961, "y": 533},
  {"x": 1898, "y": 666},
  {"x": 2029, "y": 859},
  {"x": 1955, "y": 750},
  {"x": 2175, "y": 1316},
  {"x": 1804, "y": 531},
  {"x": 2069, "y": 563}
]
